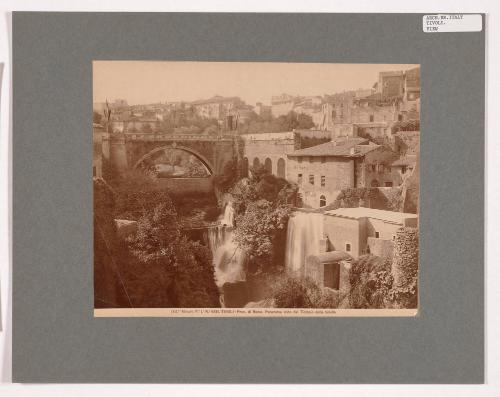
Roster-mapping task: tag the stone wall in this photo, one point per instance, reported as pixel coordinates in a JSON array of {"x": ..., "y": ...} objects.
[
  {"x": 257, "y": 148},
  {"x": 380, "y": 247},
  {"x": 338, "y": 174},
  {"x": 187, "y": 185},
  {"x": 342, "y": 231}
]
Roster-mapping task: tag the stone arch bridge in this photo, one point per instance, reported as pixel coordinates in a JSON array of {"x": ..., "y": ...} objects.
[{"x": 125, "y": 151}]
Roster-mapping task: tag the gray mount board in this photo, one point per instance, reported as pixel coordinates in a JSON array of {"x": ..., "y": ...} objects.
[{"x": 55, "y": 336}]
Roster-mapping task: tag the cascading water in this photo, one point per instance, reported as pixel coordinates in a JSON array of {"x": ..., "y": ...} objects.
[
  {"x": 304, "y": 232},
  {"x": 228, "y": 259}
]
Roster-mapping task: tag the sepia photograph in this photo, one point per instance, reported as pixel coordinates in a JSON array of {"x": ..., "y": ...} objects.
[{"x": 255, "y": 189}]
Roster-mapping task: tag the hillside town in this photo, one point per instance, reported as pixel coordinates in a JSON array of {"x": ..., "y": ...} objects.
[{"x": 335, "y": 176}]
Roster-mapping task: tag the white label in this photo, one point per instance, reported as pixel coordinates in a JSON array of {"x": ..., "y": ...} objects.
[{"x": 439, "y": 23}]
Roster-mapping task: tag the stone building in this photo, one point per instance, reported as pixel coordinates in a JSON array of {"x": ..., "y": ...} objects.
[
  {"x": 330, "y": 270},
  {"x": 391, "y": 84},
  {"x": 322, "y": 171},
  {"x": 283, "y": 104},
  {"x": 359, "y": 231},
  {"x": 269, "y": 150},
  {"x": 262, "y": 110},
  {"x": 336, "y": 110},
  {"x": 403, "y": 167},
  {"x": 136, "y": 124},
  {"x": 216, "y": 107}
]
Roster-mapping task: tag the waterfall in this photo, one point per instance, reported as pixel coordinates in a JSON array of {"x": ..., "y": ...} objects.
[
  {"x": 228, "y": 259},
  {"x": 304, "y": 232},
  {"x": 228, "y": 217}
]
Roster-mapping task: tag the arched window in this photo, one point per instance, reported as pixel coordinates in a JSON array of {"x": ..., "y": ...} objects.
[
  {"x": 256, "y": 162},
  {"x": 268, "y": 164},
  {"x": 322, "y": 201},
  {"x": 281, "y": 168}
]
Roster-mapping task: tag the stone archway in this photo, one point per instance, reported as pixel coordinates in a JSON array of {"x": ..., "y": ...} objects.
[
  {"x": 281, "y": 171},
  {"x": 256, "y": 162},
  {"x": 268, "y": 165},
  {"x": 199, "y": 156}
]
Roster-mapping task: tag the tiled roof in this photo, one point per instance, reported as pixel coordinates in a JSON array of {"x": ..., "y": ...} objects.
[{"x": 339, "y": 147}]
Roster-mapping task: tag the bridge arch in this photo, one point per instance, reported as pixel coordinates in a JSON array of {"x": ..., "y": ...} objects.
[{"x": 199, "y": 156}]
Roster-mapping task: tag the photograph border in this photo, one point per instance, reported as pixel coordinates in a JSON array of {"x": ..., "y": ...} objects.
[{"x": 56, "y": 338}]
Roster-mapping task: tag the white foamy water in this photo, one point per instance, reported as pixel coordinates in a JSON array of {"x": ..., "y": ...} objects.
[
  {"x": 304, "y": 232},
  {"x": 228, "y": 259}
]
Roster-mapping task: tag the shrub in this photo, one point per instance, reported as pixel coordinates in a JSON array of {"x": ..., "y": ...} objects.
[
  {"x": 405, "y": 267},
  {"x": 371, "y": 281},
  {"x": 290, "y": 292}
]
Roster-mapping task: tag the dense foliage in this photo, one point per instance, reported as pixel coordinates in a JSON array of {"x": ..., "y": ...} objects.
[
  {"x": 170, "y": 269},
  {"x": 109, "y": 290},
  {"x": 377, "y": 283},
  {"x": 290, "y": 292},
  {"x": 371, "y": 281},
  {"x": 262, "y": 204},
  {"x": 268, "y": 123},
  {"x": 228, "y": 177},
  {"x": 405, "y": 267},
  {"x": 137, "y": 193},
  {"x": 158, "y": 266},
  {"x": 186, "y": 121},
  {"x": 389, "y": 199}
]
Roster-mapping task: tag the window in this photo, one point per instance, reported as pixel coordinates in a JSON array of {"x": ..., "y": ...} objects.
[
  {"x": 374, "y": 167},
  {"x": 299, "y": 179},
  {"x": 403, "y": 169},
  {"x": 311, "y": 179},
  {"x": 388, "y": 184},
  {"x": 94, "y": 171},
  {"x": 347, "y": 247},
  {"x": 400, "y": 117},
  {"x": 322, "y": 201},
  {"x": 372, "y": 118},
  {"x": 323, "y": 181},
  {"x": 377, "y": 235}
]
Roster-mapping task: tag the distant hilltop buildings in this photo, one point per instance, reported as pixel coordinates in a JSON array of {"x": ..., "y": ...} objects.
[{"x": 393, "y": 98}]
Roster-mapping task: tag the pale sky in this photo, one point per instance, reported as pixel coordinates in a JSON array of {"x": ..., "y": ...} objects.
[{"x": 143, "y": 82}]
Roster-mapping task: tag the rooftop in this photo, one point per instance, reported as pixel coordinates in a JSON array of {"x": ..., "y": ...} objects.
[
  {"x": 215, "y": 99},
  {"x": 339, "y": 147},
  {"x": 363, "y": 212}
]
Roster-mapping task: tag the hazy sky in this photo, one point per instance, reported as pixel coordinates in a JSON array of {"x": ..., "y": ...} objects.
[{"x": 142, "y": 82}]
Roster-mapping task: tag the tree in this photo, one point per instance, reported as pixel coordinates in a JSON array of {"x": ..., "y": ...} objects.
[
  {"x": 371, "y": 283},
  {"x": 182, "y": 269},
  {"x": 96, "y": 117},
  {"x": 257, "y": 231},
  {"x": 229, "y": 176}
]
